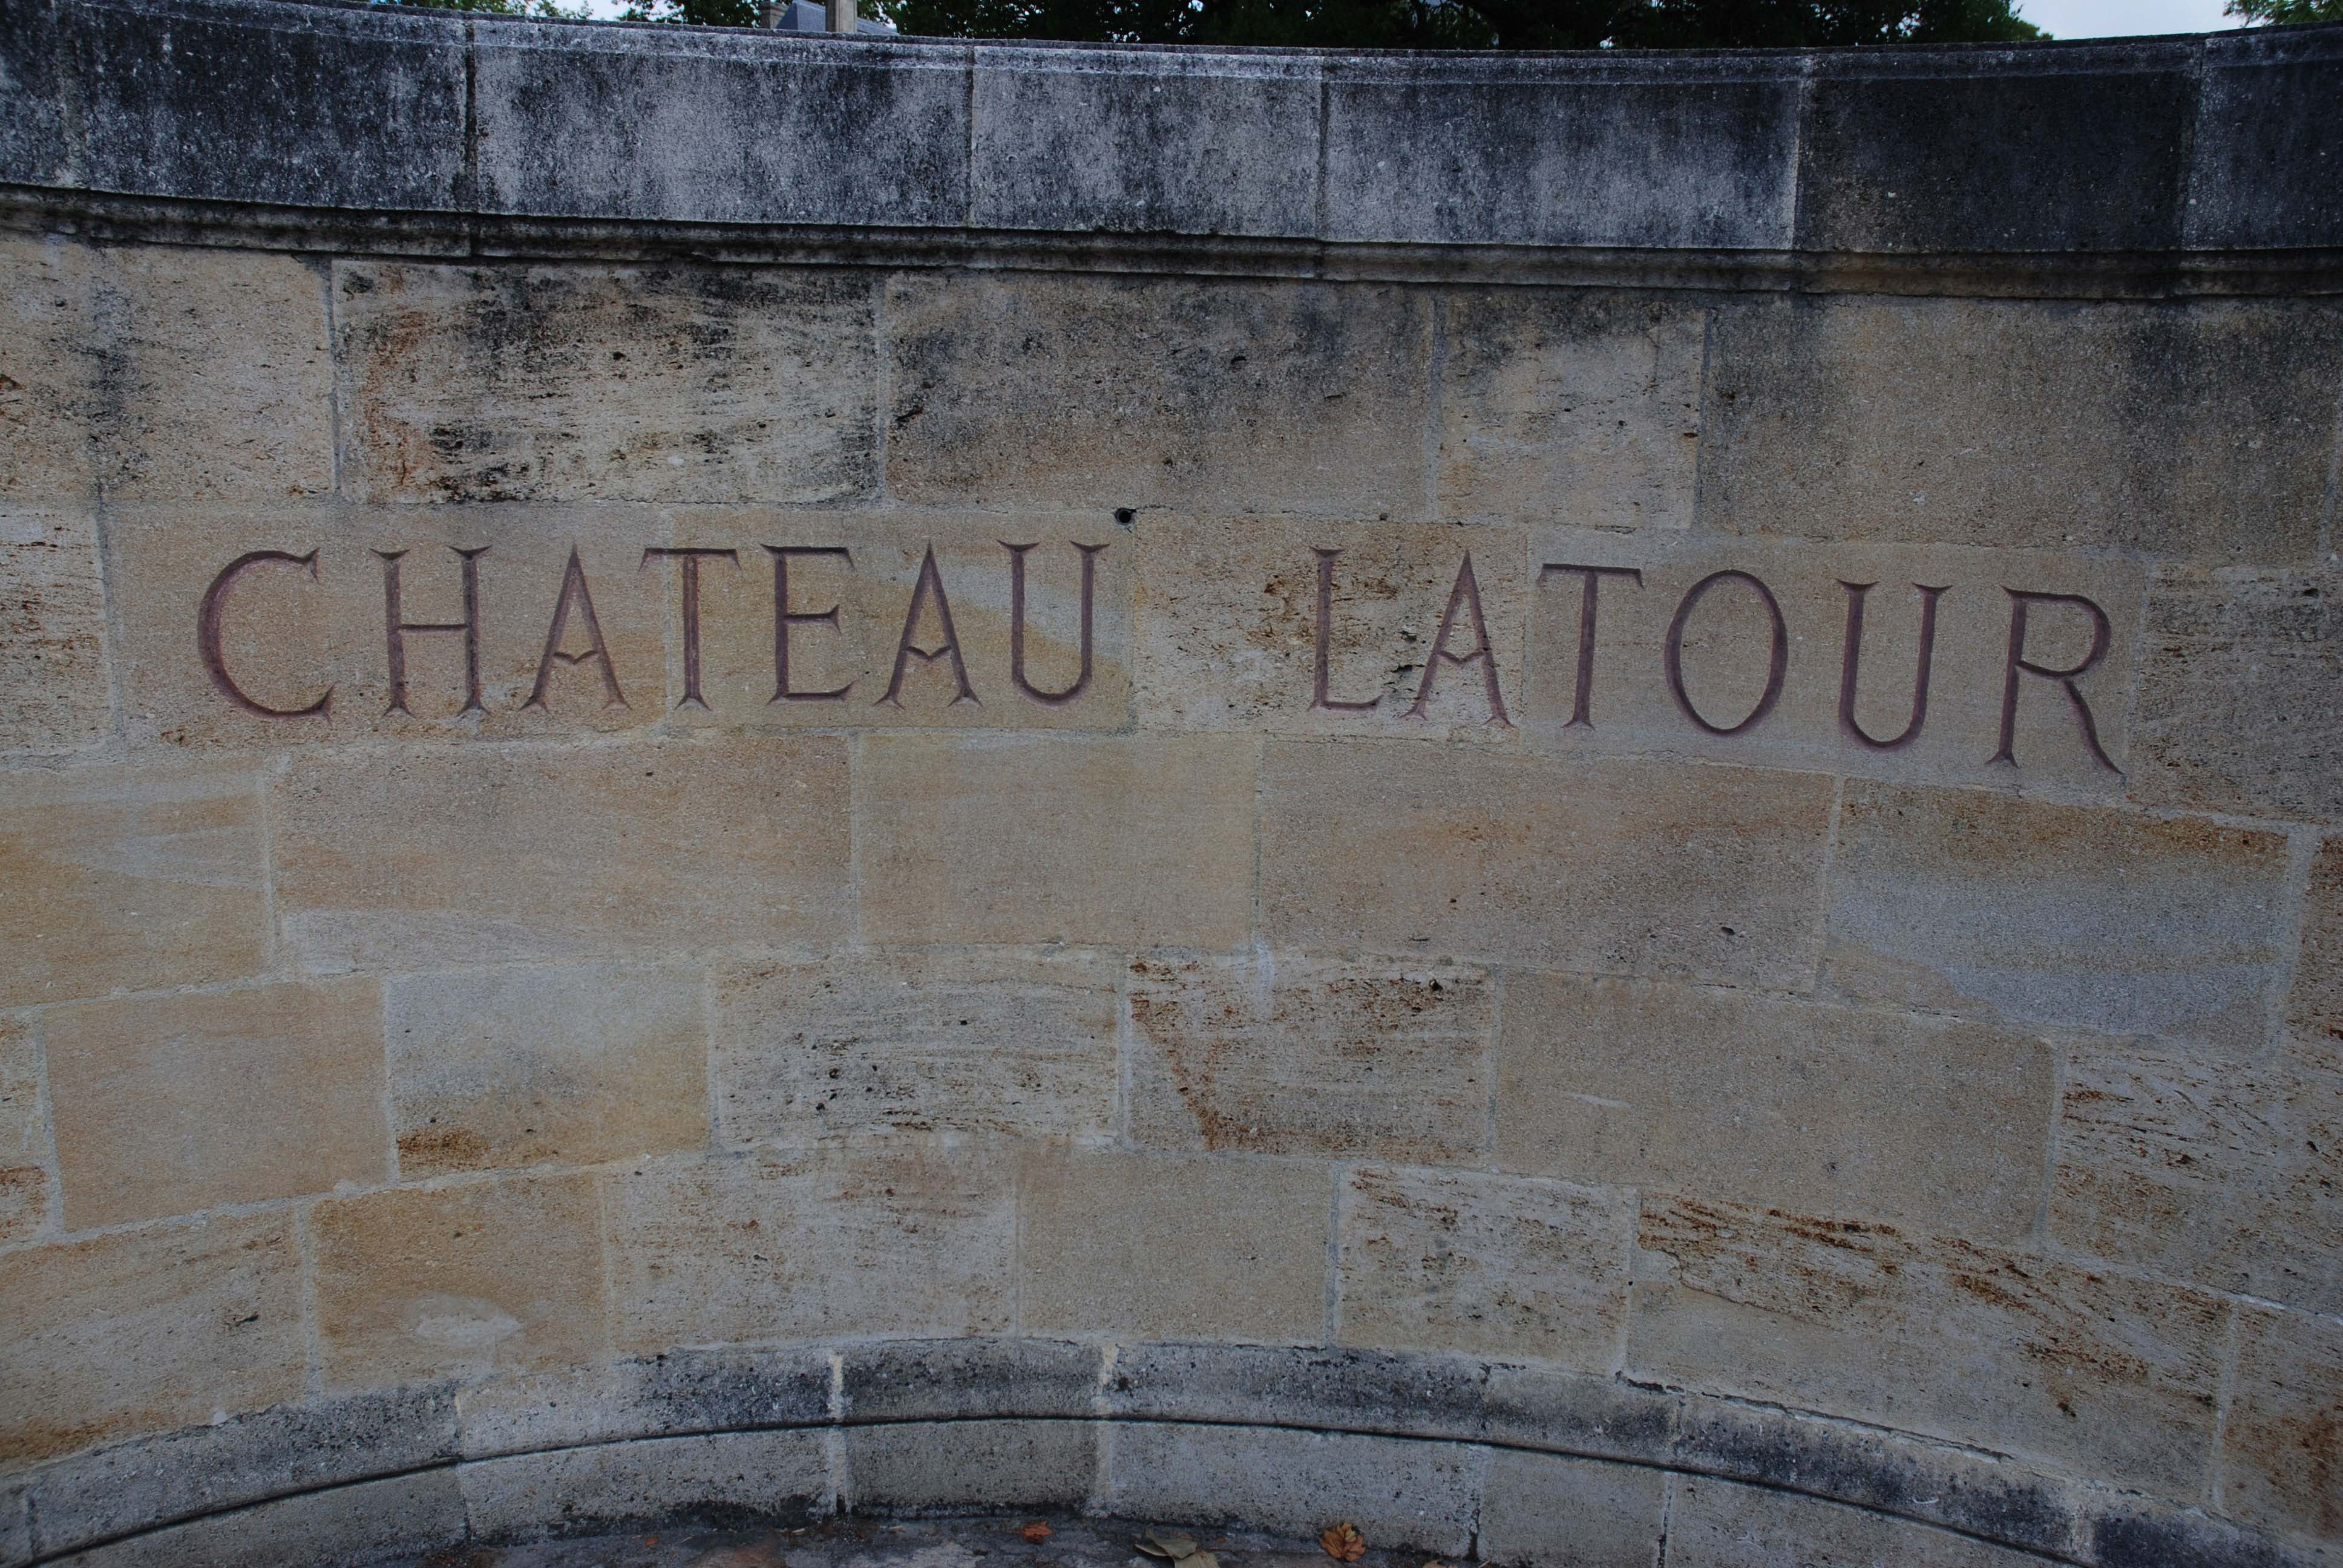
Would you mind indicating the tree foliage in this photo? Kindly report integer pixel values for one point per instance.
(2263, 12)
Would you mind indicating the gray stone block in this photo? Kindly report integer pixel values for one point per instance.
(682, 1392)
(33, 146)
(2269, 151)
(1717, 1524)
(390, 1521)
(1346, 1390)
(729, 1480)
(970, 1466)
(942, 1380)
(1573, 1413)
(1540, 1508)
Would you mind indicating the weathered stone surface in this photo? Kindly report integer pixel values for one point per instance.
(951, 1380)
(1246, 396)
(368, 1521)
(428, 858)
(125, 880)
(1288, 1055)
(968, 1466)
(2314, 1009)
(49, 394)
(654, 383)
(463, 1280)
(568, 1064)
(54, 690)
(2106, 1374)
(2216, 1171)
(1821, 1109)
(32, 146)
(1706, 874)
(2264, 148)
(1150, 840)
(1718, 1525)
(2282, 1442)
(2202, 431)
(730, 1478)
(155, 1105)
(1540, 1508)
(143, 1331)
(668, 1394)
(1417, 1495)
(1230, 628)
(1536, 1406)
(762, 1248)
(25, 1155)
(979, 1041)
(1494, 1264)
(2236, 709)
(1582, 409)
(1753, 668)
(1172, 1247)
(1342, 1388)
(2054, 915)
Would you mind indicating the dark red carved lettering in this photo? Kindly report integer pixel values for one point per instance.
(1777, 659)
(207, 636)
(784, 617)
(690, 559)
(574, 591)
(1017, 623)
(931, 582)
(1466, 592)
(2018, 663)
(398, 627)
(1325, 677)
(1853, 657)
(1583, 697)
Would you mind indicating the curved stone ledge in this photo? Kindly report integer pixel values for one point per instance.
(1484, 1457)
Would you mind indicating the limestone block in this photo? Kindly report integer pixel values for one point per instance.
(1540, 1508)
(2218, 1172)
(1819, 1109)
(970, 1466)
(47, 373)
(1172, 1247)
(1233, 635)
(154, 1103)
(988, 1042)
(953, 1380)
(779, 1476)
(1147, 842)
(2058, 916)
(1400, 1494)
(365, 1522)
(2202, 431)
(55, 691)
(2104, 1375)
(146, 1330)
(34, 151)
(551, 1064)
(2236, 709)
(25, 1181)
(1719, 1525)
(1753, 666)
(1617, 867)
(651, 383)
(844, 1241)
(123, 879)
(2279, 1445)
(1494, 1266)
(1290, 1054)
(2263, 141)
(419, 859)
(2314, 1011)
(672, 1393)
(1561, 406)
(1246, 396)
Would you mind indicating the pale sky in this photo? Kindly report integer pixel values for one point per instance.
(2115, 18)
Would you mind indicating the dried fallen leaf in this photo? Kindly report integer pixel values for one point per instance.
(1199, 1559)
(1343, 1542)
(1037, 1531)
(1157, 1543)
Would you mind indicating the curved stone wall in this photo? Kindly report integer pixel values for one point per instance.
(1580, 805)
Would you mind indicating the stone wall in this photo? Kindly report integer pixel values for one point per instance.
(1587, 806)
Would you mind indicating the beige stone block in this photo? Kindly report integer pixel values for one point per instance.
(2237, 707)
(145, 1330)
(55, 694)
(1413, 1499)
(125, 880)
(1719, 1525)
(2100, 1373)
(1489, 1265)
(2282, 1438)
(887, 1241)
(416, 858)
(1542, 1508)
(1172, 1247)
(2218, 1172)
(1144, 842)
(218, 381)
(1231, 626)
(2056, 916)
(1764, 1100)
(467, 1280)
(2314, 1014)
(48, 392)
(1704, 873)
(568, 1064)
(2201, 430)
(1288, 1055)
(781, 1476)
(967, 1466)
(1254, 396)
(666, 382)
(169, 1104)
(1681, 653)
(25, 1157)
(988, 1042)
(1570, 405)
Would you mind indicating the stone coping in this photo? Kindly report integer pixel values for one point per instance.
(381, 1451)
